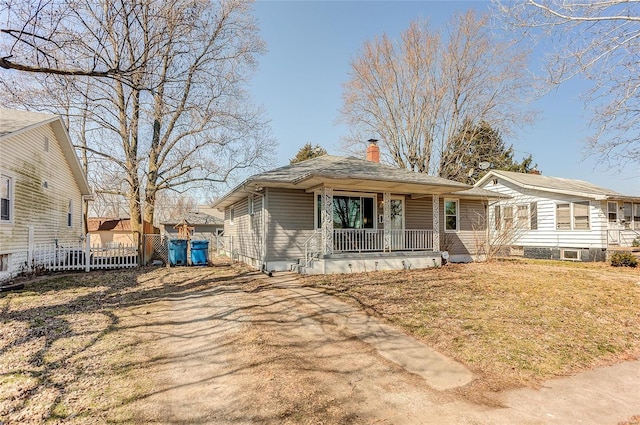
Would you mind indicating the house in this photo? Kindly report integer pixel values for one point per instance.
(110, 232)
(559, 218)
(333, 214)
(43, 188)
(203, 226)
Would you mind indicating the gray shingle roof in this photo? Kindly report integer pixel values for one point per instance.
(348, 173)
(12, 120)
(337, 167)
(557, 184)
(196, 218)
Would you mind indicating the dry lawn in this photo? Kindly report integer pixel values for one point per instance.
(514, 323)
(71, 347)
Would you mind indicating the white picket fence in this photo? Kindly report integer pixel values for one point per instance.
(82, 256)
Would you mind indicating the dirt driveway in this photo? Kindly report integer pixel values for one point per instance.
(262, 350)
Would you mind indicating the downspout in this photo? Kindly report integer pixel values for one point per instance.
(263, 223)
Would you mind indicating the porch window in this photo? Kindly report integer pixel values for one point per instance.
(353, 212)
(612, 208)
(636, 216)
(626, 208)
(581, 215)
(450, 215)
(496, 217)
(533, 211)
(6, 198)
(563, 216)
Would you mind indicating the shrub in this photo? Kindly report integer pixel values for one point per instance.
(636, 243)
(624, 259)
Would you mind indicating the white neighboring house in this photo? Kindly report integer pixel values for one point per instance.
(560, 218)
(43, 189)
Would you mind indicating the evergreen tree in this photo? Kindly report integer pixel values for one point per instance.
(308, 152)
(474, 150)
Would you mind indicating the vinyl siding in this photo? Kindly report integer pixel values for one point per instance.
(418, 213)
(290, 223)
(471, 234)
(25, 160)
(547, 235)
(243, 237)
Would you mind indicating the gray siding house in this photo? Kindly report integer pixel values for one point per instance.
(333, 214)
(559, 218)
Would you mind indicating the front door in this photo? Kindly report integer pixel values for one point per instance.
(397, 223)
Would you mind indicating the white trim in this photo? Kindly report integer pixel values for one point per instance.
(444, 214)
(12, 198)
(576, 250)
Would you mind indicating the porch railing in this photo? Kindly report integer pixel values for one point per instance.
(366, 240)
(622, 237)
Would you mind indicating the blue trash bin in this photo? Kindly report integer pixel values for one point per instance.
(199, 253)
(177, 252)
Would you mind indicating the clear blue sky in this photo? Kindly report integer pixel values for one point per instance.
(310, 44)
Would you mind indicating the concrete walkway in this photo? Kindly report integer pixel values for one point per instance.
(607, 395)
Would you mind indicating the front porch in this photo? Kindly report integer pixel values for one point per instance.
(357, 262)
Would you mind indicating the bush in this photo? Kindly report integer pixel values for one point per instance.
(624, 259)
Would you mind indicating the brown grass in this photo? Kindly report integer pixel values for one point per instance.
(70, 346)
(514, 323)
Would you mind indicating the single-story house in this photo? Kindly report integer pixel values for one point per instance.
(202, 226)
(333, 214)
(43, 188)
(559, 218)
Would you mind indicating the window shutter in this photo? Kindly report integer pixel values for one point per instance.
(533, 210)
(496, 217)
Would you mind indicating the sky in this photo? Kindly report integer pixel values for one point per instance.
(311, 43)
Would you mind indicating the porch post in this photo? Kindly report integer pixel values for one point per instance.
(386, 219)
(436, 222)
(327, 220)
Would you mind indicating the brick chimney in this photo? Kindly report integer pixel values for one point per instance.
(535, 171)
(373, 151)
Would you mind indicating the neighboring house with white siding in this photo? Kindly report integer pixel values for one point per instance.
(333, 214)
(559, 218)
(43, 188)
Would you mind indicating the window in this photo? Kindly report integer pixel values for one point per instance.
(4, 262)
(533, 211)
(231, 215)
(250, 205)
(6, 198)
(612, 208)
(523, 216)
(507, 217)
(353, 212)
(69, 213)
(581, 215)
(627, 209)
(497, 218)
(46, 144)
(570, 254)
(636, 216)
(450, 215)
(563, 216)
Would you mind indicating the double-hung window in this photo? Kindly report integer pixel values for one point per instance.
(573, 216)
(581, 215)
(6, 199)
(451, 215)
(70, 213)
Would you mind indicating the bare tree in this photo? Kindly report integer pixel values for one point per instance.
(600, 41)
(415, 94)
(180, 120)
